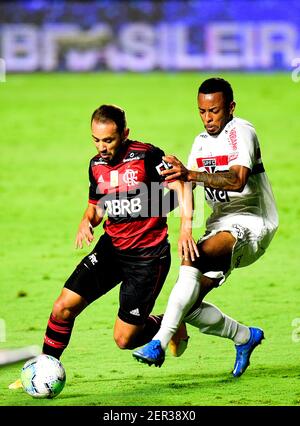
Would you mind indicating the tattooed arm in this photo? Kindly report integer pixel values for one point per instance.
(232, 180)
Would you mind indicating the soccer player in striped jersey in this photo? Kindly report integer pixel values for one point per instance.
(225, 159)
(127, 185)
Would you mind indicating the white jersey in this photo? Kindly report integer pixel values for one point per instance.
(237, 144)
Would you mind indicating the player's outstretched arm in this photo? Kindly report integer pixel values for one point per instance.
(187, 248)
(232, 180)
(92, 217)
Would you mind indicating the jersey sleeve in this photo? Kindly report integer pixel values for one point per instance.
(94, 197)
(243, 142)
(154, 164)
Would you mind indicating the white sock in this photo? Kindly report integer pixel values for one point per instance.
(210, 320)
(183, 296)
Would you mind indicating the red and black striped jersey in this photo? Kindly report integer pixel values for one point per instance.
(131, 191)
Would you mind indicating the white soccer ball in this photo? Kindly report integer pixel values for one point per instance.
(43, 376)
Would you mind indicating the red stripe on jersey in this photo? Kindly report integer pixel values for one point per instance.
(138, 149)
(219, 160)
(140, 145)
(147, 232)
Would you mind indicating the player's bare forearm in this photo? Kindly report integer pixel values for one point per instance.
(170, 202)
(227, 181)
(233, 179)
(96, 216)
(184, 194)
(187, 247)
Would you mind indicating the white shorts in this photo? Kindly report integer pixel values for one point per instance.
(251, 241)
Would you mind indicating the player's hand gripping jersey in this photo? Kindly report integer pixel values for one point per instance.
(237, 144)
(130, 190)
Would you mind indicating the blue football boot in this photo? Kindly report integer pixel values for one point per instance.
(150, 354)
(243, 352)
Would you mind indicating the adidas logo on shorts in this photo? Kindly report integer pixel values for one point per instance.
(135, 312)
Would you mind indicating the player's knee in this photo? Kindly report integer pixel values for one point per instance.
(212, 252)
(219, 246)
(207, 248)
(123, 342)
(60, 311)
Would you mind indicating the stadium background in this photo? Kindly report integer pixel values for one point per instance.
(60, 60)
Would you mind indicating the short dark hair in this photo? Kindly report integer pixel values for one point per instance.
(110, 113)
(217, 84)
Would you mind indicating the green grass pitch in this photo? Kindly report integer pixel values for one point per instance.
(45, 150)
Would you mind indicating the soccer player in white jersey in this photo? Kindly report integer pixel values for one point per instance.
(226, 160)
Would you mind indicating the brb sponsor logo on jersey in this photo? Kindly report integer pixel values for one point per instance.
(123, 207)
(122, 199)
(128, 192)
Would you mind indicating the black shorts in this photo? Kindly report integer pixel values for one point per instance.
(141, 272)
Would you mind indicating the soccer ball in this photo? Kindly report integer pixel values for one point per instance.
(43, 376)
